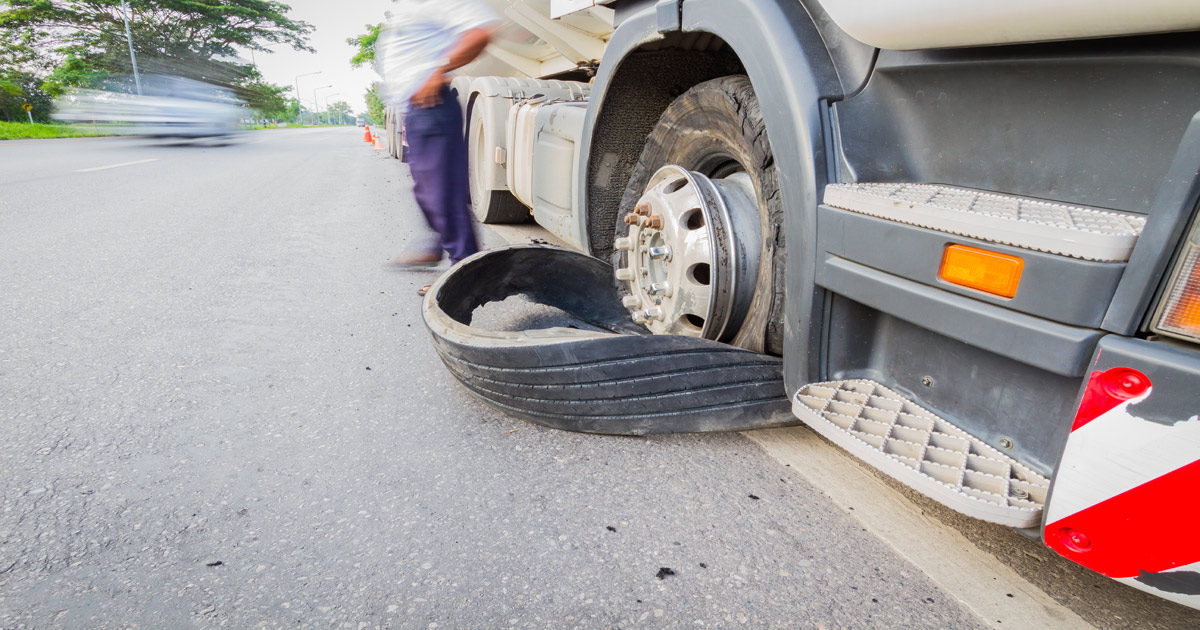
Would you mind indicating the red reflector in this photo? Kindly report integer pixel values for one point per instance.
(1105, 390)
(1074, 540)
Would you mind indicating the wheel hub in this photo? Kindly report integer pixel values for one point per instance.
(692, 254)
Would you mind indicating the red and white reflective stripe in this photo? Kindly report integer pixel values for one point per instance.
(1124, 498)
(1115, 453)
(1149, 528)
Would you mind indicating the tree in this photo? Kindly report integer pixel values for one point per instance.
(339, 111)
(19, 50)
(266, 98)
(169, 29)
(20, 70)
(295, 112)
(74, 72)
(18, 88)
(84, 40)
(365, 44)
(365, 55)
(375, 106)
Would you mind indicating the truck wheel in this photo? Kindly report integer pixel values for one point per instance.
(602, 373)
(489, 206)
(698, 249)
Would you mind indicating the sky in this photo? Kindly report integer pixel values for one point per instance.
(333, 22)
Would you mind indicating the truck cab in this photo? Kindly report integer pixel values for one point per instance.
(968, 234)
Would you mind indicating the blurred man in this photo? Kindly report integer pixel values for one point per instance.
(422, 42)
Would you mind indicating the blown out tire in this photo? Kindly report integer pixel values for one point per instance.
(489, 206)
(615, 380)
(716, 128)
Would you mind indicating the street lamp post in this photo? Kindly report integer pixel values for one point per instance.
(254, 62)
(328, 118)
(299, 114)
(316, 103)
(137, 80)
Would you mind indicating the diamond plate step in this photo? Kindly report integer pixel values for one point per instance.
(1076, 231)
(923, 451)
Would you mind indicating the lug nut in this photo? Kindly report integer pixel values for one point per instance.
(659, 287)
(660, 253)
(639, 317)
(631, 219)
(625, 273)
(631, 301)
(642, 209)
(654, 313)
(624, 244)
(655, 222)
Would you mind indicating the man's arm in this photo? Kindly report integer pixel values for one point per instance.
(469, 47)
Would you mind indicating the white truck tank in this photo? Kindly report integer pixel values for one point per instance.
(917, 24)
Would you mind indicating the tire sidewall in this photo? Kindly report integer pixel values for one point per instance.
(478, 192)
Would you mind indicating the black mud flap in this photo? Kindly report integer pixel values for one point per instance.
(611, 378)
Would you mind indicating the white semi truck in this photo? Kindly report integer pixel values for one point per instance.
(957, 239)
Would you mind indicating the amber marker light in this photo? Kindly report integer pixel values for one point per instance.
(979, 269)
(1180, 312)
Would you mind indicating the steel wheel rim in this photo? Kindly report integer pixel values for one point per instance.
(692, 254)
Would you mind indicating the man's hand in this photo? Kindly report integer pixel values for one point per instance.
(469, 47)
(430, 94)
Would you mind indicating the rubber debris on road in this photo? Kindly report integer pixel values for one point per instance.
(607, 376)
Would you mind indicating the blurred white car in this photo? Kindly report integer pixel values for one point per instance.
(168, 107)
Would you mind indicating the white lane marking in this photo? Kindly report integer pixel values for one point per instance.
(103, 168)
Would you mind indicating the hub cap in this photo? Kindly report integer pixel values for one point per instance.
(692, 254)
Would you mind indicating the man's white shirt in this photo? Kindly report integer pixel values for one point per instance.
(417, 39)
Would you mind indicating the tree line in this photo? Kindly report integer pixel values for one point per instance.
(365, 56)
(50, 46)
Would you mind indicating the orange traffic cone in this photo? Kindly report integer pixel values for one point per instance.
(379, 144)
(367, 133)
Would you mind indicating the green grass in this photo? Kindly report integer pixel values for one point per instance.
(257, 127)
(291, 126)
(23, 131)
(20, 131)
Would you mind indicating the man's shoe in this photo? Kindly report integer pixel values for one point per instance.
(419, 259)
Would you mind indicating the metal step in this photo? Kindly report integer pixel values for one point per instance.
(1076, 231)
(923, 451)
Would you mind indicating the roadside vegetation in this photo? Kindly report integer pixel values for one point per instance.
(22, 131)
(365, 56)
(48, 47)
(295, 126)
(41, 131)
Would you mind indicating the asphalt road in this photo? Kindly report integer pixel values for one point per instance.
(220, 408)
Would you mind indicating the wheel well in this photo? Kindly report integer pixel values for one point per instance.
(644, 83)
